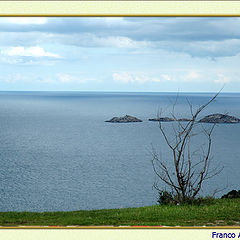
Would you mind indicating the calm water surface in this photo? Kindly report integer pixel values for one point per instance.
(58, 154)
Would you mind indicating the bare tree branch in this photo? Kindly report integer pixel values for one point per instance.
(191, 167)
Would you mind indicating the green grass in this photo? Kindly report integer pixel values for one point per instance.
(219, 212)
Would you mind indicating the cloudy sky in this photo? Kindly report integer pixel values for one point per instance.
(120, 54)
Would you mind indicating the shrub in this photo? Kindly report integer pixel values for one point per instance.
(167, 198)
(202, 200)
(232, 194)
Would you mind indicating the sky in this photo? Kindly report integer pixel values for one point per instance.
(133, 54)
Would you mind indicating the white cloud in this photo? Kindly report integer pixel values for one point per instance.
(126, 77)
(120, 42)
(48, 80)
(166, 77)
(66, 78)
(15, 77)
(26, 20)
(141, 77)
(173, 78)
(123, 77)
(92, 40)
(29, 52)
(222, 79)
(191, 76)
(108, 21)
(210, 37)
(155, 80)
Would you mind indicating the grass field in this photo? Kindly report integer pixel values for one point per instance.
(221, 212)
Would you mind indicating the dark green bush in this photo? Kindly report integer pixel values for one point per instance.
(167, 198)
(232, 194)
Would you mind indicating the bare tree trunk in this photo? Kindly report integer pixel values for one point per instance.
(189, 170)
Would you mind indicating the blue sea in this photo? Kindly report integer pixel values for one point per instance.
(57, 153)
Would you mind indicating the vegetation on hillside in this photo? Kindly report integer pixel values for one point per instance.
(218, 212)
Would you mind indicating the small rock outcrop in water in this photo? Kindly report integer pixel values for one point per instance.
(163, 119)
(219, 118)
(184, 120)
(125, 119)
(167, 119)
(213, 118)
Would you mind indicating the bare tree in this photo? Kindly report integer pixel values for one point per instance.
(190, 167)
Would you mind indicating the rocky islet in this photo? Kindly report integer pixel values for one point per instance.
(212, 118)
(125, 119)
